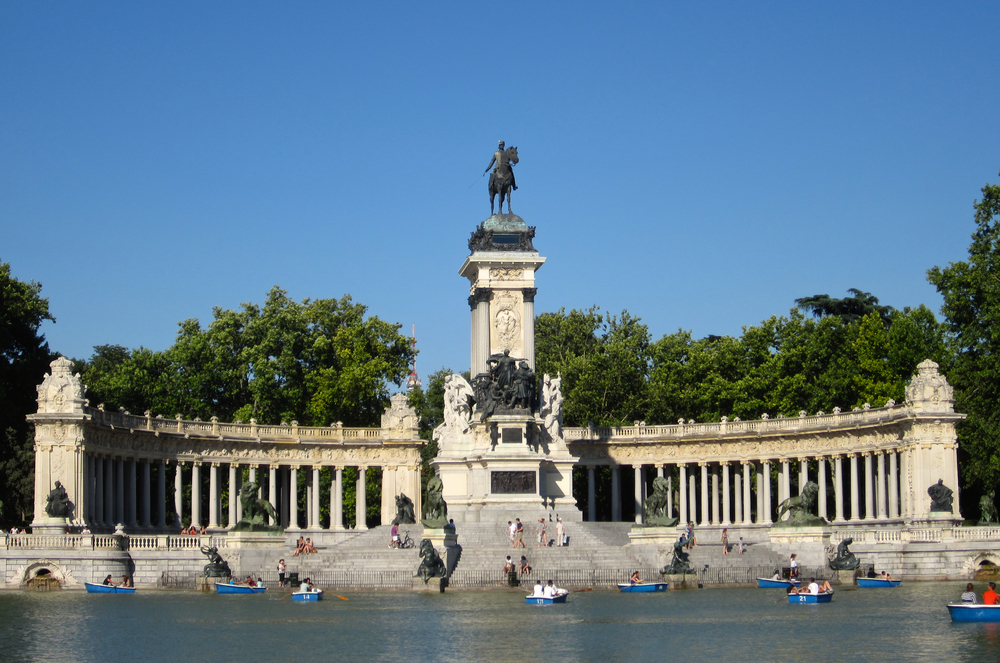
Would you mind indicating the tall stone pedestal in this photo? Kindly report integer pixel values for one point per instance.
(50, 525)
(808, 543)
(445, 541)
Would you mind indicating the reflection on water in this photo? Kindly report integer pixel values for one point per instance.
(907, 623)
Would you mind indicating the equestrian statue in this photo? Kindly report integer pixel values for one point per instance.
(502, 179)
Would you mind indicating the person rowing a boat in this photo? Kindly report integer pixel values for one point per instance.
(990, 596)
(969, 595)
(538, 591)
(635, 578)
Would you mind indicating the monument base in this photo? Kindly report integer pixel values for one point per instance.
(445, 541)
(681, 581)
(433, 585)
(51, 526)
(254, 540)
(660, 536)
(809, 544)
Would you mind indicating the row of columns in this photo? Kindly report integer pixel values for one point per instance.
(698, 492)
(119, 490)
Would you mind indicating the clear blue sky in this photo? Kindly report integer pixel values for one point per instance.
(699, 164)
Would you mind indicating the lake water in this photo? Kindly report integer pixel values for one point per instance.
(909, 623)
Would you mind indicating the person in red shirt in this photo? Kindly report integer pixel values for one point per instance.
(990, 596)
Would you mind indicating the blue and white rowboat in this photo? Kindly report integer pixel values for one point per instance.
(545, 600)
(974, 612)
(877, 582)
(822, 597)
(767, 583)
(315, 595)
(226, 588)
(642, 587)
(94, 588)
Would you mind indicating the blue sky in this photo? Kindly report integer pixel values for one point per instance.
(698, 164)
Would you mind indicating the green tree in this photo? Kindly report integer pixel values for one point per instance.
(24, 359)
(852, 308)
(315, 362)
(971, 291)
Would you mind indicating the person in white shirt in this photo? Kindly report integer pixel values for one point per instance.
(539, 590)
(551, 591)
(813, 586)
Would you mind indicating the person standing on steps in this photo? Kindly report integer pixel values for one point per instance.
(560, 532)
(519, 534)
(281, 573)
(725, 541)
(540, 530)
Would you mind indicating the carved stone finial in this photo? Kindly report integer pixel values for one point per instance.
(928, 391)
(61, 391)
(399, 417)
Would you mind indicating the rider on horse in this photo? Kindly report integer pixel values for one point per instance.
(503, 168)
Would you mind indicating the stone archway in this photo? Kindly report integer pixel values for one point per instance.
(46, 574)
(984, 565)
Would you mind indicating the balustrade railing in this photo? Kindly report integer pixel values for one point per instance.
(251, 430)
(736, 428)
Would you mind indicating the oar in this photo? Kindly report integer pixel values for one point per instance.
(342, 598)
(589, 589)
(285, 596)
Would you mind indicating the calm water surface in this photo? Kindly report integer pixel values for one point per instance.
(909, 623)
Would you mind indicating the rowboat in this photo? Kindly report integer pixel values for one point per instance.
(822, 597)
(974, 612)
(877, 582)
(94, 588)
(546, 600)
(226, 588)
(314, 595)
(642, 587)
(767, 583)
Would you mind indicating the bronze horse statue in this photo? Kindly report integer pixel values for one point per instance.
(502, 179)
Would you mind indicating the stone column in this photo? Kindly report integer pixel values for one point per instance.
(855, 502)
(882, 511)
(528, 295)
(785, 485)
(693, 498)
(893, 486)
(309, 504)
(233, 498)
(869, 489)
(360, 516)
(293, 502)
(272, 490)
(759, 469)
(616, 498)
(253, 478)
(479, 302)
(821, 481)
(737, 498)
(99, 491)
(725, 493)
(161, 495)
(905, 508)
(88, 490)
(120, 491)
(131, 506)
(767, 493)
(333, 498)
(591, 494)
(746, 494)
(705, 516)
(315, 498)
(178, 497)
(683, 493)
(659, 471)
(639, 478)
(337, 514)
(838, 488)
(715, 494)
(803, 473)
(670, 495)
(196, 494)
(213, 496)
(144, 520)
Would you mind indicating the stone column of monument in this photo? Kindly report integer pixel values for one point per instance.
(272, 490)
(234, 499)
(893, 487)
(682, 493)
(178, 496)
(766, 470)
(591, 494)
(838, 490)
(855, 501)
(931, 443)
(869, 489)
(213, 496)
(725, 493)
(747, 516)
(821, 510)
(59, 442)
(360, 516)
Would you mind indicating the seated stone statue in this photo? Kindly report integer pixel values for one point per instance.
(941, 497)
(435, 508)
(845, 559)
(57, 504)
(654, 511)
(255, 512)
(799, 509)
(404, 510)
(431, 564)
(988, 510)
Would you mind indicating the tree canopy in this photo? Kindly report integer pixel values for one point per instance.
(315, 362)
(971, 291)
(24, 359)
